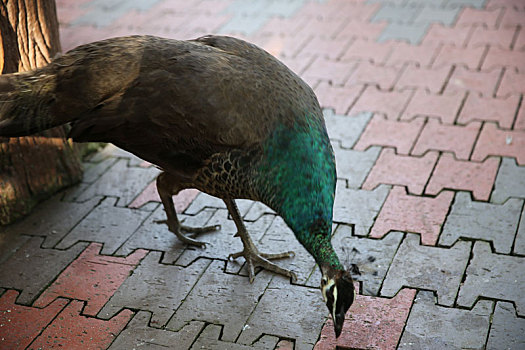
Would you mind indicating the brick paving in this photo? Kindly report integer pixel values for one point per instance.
(424, 104)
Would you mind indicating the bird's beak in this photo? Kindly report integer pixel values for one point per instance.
(339, 320)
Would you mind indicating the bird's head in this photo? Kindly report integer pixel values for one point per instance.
(338, 291)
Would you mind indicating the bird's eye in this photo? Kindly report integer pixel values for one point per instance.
(323, 282)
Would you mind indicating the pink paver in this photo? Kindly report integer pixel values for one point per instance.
(511, 83)
(335, 71)
(368, 51)
(470, 16)
(513, 17)
(520, 119)
(338, 97)
(71, 330)
(473, 80)
(423, 215)
(421, 56)
(389, 103)
(325, 47)
(457, 139)
(278, 26)
(450, 54)
(501, 37)
(150, 194)
(519, 44)
(500, 110)
(20, 324)
(464, 175)
(495, 142)
(393, 169)
(390, 133)
(439, 34)
(283, 46)
(424, 78)
(362, 30)
(516, 4)
(372, 74)
(91, 277)
(374, 322)
(497, 57)
(328, 27)
(445, 107)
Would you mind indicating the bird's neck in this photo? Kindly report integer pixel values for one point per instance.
(297, 174)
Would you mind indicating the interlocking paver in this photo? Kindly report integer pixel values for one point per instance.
(340, 98)
(464, 175)
(320, 26)
(71, 330)
(421, 55)
(325, 47)
(11, 242)
(361, 30)
(390, 133)
(19, 324)
(409, 213)
(376, 322)
(106, 224)
(345, 129)
(393, 169)
(515, 4)
(501, 37)
(493, 276)
(498, 57)
(372, 256)
(234, 299)
(94, 170)
(209, 340)
(512, 17)
(506, 331)
(445, 107)
(53, 219)
(150, 194)
(443, 270)
(31, 269)
(448, 138)
(155, 287)
(479, 220)
(480, 17)
(511, 83)
(120, 181)
(138, 335)
(440, 34)
(368, 73)
(367, 50)
(452, 55)
(497, 110)
(431, 14)
(431, 79)
(510, 181)
(460, 3)
(304, 326)
(353, 166)
(519, 244)
(520, 118)
(358, 207)
(395, 13)
(91, 277)
(493, 141)
(483, 82)
(412, 33)
(389, 103)
(335, 72)
(431, 326)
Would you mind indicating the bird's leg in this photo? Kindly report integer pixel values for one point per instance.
(167, 186)
(250, 253)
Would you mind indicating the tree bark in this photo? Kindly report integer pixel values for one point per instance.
(31, 168)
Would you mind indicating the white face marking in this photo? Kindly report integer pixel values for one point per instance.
(335, 303)
(326, 287)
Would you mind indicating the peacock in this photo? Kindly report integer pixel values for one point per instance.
(215, 113)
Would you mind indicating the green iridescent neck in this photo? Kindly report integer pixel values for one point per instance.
(298, 181)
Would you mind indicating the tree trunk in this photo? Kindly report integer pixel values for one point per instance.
(31, 168)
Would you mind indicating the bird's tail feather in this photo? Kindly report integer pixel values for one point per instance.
(28, 103)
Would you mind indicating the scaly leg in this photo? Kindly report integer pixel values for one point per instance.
(167, 186)
(250, 253)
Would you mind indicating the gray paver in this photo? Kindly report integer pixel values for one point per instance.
(138, 335)
(104, 12)
(120, 181)
(510, 181)
(221, 243)
(345, 129)
(10, 243)
(519, 244)
(493, 276)
(156, 236)
(221, 298)
(430, 326)
(354, 166)
(372, 256)
(31, 269)
(413, 33)
(53, 219)
(286, 300)
(204, 200)
(395, 13)
(430, 268)
(244, 24)
(257, 210)
(480, 220)
(358, 207)
(155, 287)
(209, 340)
(93, 171)
(507, 330)
(466, 3)
(431, 14)
(106, 224)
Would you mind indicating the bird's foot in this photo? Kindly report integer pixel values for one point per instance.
(256, 259)
(177, 230)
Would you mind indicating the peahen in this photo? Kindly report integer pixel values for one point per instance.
(215, 113)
